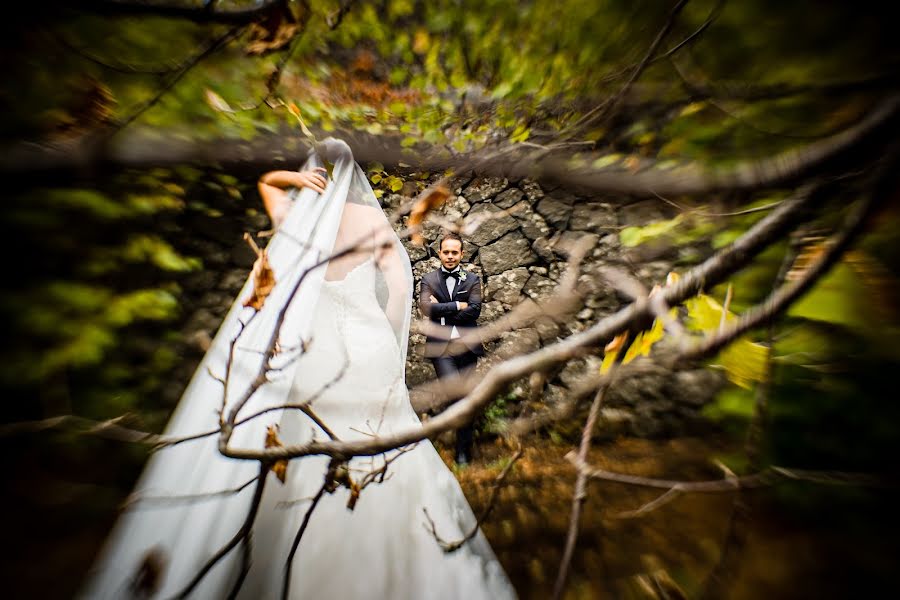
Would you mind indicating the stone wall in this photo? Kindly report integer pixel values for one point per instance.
(520, 252)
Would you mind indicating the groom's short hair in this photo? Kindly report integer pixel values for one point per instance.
(450, 235)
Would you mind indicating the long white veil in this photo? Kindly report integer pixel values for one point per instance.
(163, 525)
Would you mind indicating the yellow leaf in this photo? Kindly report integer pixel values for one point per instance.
(295, 110)
(608, 359)
(693, 107)
(421, 42)
(744, 362)
(394, 183)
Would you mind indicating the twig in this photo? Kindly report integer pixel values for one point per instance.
(186, 499)
(242, 533)
(212, 47)
(764, 478)
(30, 158)
(329, 476)
(606, 107)
(580, 494)
(713, 15)
(109, 429)
(204, 12)
(449, 547)
(125, 68)
(787, 294)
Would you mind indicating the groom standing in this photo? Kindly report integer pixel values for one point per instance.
(451, 297)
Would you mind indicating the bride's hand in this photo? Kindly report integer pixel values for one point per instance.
(314, 179)
(273, 189)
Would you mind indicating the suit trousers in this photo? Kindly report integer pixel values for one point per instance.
(450, 366)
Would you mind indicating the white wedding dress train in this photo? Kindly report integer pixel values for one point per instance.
(382, 548)
(191, 500)
(379, 550)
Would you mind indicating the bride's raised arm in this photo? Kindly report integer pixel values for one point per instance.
(273, 188)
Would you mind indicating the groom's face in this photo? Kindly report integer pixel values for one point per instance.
(451, 253)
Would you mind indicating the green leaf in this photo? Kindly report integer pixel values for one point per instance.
(731, 402)
(605, 161)
(634, 236)
(394, 183)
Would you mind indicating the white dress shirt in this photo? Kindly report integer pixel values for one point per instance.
(451, 285)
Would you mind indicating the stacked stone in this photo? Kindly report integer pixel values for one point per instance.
(520, 250)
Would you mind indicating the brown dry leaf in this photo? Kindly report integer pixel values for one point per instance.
(91, 108)
(276, 29)
(279, 467)
(813, 249)
(354, 495)
(263, 277)
(150, 573)
(428, 200)
(632, 163)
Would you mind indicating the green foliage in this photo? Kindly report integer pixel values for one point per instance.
(841, 298)
(635, 236)
(731, 403)
(77, 324)
(496, 412)
(148, 248)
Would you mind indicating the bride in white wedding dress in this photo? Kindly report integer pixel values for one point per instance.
(352, 316)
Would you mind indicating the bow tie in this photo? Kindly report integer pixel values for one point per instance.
(453, 274)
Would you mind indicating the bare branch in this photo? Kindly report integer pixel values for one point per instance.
(580, 494)
(658, 502)
(787, 294)
(674, 49)
(609, 105)
(185, 499)
(109, 429)
(213, 46)
(266, 150)
(326, 486)
(126, 68)
(449, 547)
(199, 13)
(240, 536)
(765, 478)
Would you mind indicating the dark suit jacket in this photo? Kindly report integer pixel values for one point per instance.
(468, 291)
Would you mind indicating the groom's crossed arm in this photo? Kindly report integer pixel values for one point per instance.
(471, 309)
(430, 307)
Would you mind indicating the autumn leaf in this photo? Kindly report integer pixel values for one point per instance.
(91, 107)
(146, 580)
(276, 29)
(394, 183)
(427, 201)
(810, 253)
(744, 361)
(279, 467)
(263, 277)
(216, 102)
